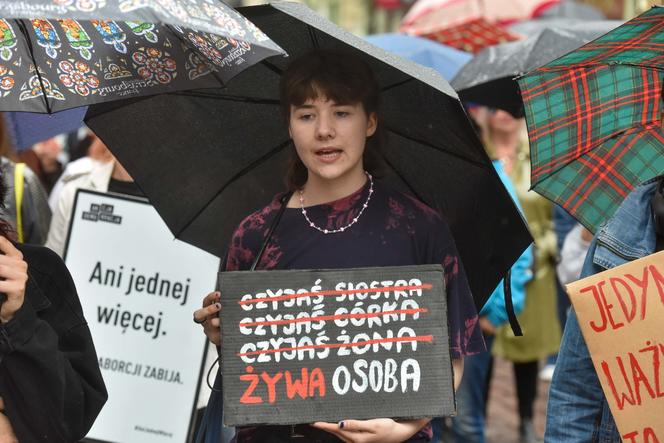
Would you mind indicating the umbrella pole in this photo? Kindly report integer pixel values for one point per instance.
(24, 31)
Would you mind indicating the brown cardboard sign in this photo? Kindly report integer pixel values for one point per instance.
(621, 314)
(327, 345)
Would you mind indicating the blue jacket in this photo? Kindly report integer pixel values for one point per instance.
(494, 308)
(577, 410)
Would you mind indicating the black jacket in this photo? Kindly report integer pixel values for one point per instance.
(49, 375)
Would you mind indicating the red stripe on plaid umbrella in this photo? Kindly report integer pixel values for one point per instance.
(598, 175)
(598, 109)
(644, 110)
(577, 103)
(529, 94)
(588, 114)
(657, 104)
(559, 162)
(630, 44)
(595, 46)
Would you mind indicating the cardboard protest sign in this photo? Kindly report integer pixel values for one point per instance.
(621, 314)
(310, 345)
(138, 288)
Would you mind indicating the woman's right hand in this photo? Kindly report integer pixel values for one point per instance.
(208, 317)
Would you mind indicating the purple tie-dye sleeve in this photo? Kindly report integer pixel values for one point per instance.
(465, 334)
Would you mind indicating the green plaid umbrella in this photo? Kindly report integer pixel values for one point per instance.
(594, 118)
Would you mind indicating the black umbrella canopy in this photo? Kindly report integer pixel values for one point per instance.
(206, 159)
(489, 78)
(61, 54)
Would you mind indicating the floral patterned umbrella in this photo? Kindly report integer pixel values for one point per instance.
(61, 54)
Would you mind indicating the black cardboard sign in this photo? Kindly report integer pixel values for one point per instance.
(327, 345)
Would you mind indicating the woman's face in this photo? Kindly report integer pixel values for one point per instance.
(503, 121)
(329, 137)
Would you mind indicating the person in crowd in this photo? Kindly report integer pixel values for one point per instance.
(44, 159)
(338, 216)
(469, 424)
(541, 330)
(577, 410)
(573, 254)
(96, 153)
(101, 172)
(26, 206)
(109, 176)
(51, 388)
(562, 225)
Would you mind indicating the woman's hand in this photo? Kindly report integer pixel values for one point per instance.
(208, 316)
(379, 430)
(6, 431)
(13, 277)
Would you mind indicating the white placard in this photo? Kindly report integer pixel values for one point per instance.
(138, 288)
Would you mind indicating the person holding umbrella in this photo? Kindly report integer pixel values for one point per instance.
(337, 215)
(600, 156)
(51, 388)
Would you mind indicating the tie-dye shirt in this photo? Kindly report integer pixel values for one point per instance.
(394, 230)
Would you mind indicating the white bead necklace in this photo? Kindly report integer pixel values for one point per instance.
(343, 228)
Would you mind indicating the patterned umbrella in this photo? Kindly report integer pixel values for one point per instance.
(470, 25)
(594, 119)
(60, 54)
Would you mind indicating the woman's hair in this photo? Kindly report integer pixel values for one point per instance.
(335, 75)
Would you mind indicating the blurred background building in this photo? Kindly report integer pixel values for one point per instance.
(363, 17)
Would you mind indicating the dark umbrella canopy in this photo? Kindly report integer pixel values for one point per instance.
(211, 158)
(28, 128)
(574, 10)
(489, 78)
(60, 54)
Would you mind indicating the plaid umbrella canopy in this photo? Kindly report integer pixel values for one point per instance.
(594, 119)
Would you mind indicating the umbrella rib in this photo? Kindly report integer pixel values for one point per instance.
(396, 85)
(237, 176)
(401, 177)
(313, 36)
(230, 98)
(24, 31)
(202, 56)
(272, 67)
(432, 146)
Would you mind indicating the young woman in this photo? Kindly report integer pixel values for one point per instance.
(51, 388)
(339, 216)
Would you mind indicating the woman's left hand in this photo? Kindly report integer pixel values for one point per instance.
(6, 431)
(379, 430)
(13, 277)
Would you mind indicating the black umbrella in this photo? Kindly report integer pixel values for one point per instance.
(213, 157)
(489, 78)
(60, 54)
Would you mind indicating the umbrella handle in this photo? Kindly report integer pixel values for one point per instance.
(284, 201)
(509, 306)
